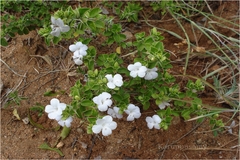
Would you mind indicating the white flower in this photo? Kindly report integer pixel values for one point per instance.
(133, 112)
(151, 74)
(77, 59)
(67, 122)
(106, 125)
(58, 27)
(163, 105)
(79, 49)
(114, 81)
(55, 109)
(153, 121)
(137, 69)
(114, 112)
(103, 101)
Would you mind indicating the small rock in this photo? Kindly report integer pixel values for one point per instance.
(97, 158)
(80, 130)
(25, 120)
(119, 141)
(75, 149)
(104, 10)
(199, 141)
(176, 120)
(128, 34)
(84, 145)
(60, 144)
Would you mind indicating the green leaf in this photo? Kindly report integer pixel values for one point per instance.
(117, 97)
(65, 132)
(50, 93)
(168, 111)
(119, 37)
(34, 123)
(82, 11)
(88, 113)
(94, 12)
(146, 105)
(99, 24)
(46, 147)
(90, 65)
(56, 40)
(87, 103)
(4, 42)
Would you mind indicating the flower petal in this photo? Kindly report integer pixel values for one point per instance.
(53, 115)
(106, 131)
(111, 85)
(130, 117)
(59, 22)
(137, 115)
(79, 45)
(109, 77)
(108, 102)
(97, 129)
(54, 102)
(106, 95)
(107, 118)
(50, 108)
(156, 119)
(112, 125)
(150, 125)
(102, 108)
(96, 100)
(65, 28)
(73, 48)
(62, 106)
(149, 119)
(53, 20)
(78, 61)
(133, 74)
(131, 67)
(157, 126)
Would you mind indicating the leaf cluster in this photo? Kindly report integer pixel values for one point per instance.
(20, 17)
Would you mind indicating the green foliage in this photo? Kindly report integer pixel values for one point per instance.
(38, 108)
(150, 52)
(130, 12)
(47, 147)
(13, 97)
(164, 5)
(20, 17)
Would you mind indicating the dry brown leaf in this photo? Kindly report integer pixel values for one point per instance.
(15, 113)
(46, 58)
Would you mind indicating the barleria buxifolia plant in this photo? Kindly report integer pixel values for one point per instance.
(114, 89)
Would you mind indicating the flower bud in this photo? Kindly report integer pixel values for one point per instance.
(116, 65)
(77, 97)
(104, 80)
(96, 72)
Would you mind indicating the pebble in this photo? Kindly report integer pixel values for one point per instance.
(199, 141)
(80, 130)
(60, 144)
(97, 158)
(25, 120)
(128, 34)
(84, 145)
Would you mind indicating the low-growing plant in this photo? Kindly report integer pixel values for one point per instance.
(20, 17)
(115, 87)
(14, 98)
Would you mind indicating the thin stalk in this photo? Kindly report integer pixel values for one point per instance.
(188, 42)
